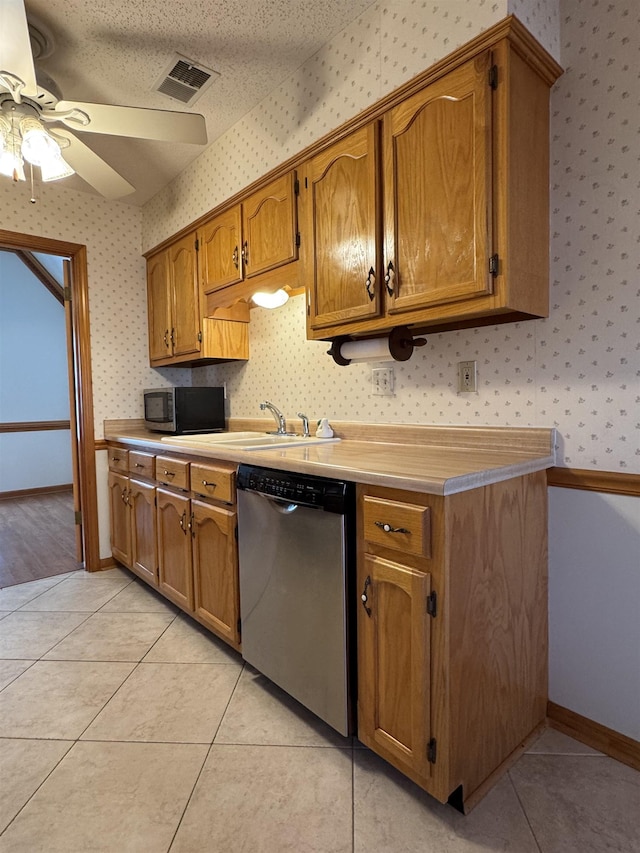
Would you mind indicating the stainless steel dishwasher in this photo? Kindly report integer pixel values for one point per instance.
(296, 549)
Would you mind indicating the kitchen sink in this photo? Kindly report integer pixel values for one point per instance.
(247, 440)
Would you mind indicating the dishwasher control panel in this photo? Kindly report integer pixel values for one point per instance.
(303, 489)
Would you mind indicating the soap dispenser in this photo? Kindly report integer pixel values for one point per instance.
(324, 430)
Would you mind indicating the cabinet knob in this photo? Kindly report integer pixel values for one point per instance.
(389, 529)
(370, 284)
(390, 278)
(364, 597)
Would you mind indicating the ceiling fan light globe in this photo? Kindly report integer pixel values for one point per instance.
(12, 166)
(55, 169)
(37, 146)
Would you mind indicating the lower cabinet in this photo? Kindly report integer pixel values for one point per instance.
(452, 631)
(179, 538)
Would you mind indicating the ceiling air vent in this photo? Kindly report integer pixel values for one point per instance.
(184, 80)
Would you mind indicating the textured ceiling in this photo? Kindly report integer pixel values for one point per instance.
(113, 52)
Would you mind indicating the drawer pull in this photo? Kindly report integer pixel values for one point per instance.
(169, 473)
(208, 484)
(364, 597)
(138, 465)
(115, 459)
(389, 529)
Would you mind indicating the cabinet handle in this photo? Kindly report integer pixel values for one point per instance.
(115, 458)
(370, 284)
(165, 338)
(192, 525)
(245, 252)
(209, 485)
(173, 474)
(138, 465)
(235, 257)
(389, 278)
(172, 336)
(389, 529)
(183, 522)
(364, 597)
(125, 497)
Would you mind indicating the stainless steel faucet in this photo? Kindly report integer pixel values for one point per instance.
(279, 419)
(305, 424)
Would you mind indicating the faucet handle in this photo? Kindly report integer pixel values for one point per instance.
(305, 424)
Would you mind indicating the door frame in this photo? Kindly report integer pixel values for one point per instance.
(83, 386)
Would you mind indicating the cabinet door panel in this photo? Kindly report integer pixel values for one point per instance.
(437, 167)
(220, 251)
(159, 306)
(393, 663)
(120, 514)
(215, 569)
(144, 541)
(343, 224)
(174, 548)
(185, 296)
(269, 224)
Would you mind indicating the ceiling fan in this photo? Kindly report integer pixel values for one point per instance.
(32, 112)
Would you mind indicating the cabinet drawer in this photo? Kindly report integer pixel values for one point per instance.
(214, 482)
(172, 472)
(142, 464)
(118, 459)
(404, 527)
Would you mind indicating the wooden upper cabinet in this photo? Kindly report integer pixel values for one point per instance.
(437, 181)
(183, 275)
(269, 227)
(159, 307)
(220, 247)
(342, 217)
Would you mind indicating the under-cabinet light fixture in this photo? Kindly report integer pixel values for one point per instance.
(270, 300)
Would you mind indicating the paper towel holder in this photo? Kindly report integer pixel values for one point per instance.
(401, 345)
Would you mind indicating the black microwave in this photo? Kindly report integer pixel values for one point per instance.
(181, 410)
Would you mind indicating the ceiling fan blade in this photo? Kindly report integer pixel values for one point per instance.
(93, 169)
(16, 58)
(161, 125)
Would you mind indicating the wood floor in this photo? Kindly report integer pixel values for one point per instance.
(37, 537)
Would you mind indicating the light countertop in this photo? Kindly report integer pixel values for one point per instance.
(436, 460)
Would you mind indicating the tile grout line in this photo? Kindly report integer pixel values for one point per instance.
(524, 812)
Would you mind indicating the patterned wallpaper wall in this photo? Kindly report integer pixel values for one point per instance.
(579, 369)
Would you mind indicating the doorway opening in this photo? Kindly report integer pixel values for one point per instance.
(80, 384)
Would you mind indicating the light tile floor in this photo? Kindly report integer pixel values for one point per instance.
(126, 727)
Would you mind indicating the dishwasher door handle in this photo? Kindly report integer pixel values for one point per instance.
(280, 505)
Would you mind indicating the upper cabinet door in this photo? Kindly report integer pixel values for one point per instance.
(220, 251)
(437, 181)
(159, 306)
(342, 219)
(183, 271)
(269, 226)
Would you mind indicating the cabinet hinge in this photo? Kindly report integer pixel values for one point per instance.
(67, 294)
(197, 245)
(200, 337)
(297, 238)
(493, 77)
(493, 265)
(77, 517)
(432, 604)
(432, 749)
(296, 187)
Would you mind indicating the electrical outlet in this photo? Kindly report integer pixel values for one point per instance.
(382, 381)
(467, 376)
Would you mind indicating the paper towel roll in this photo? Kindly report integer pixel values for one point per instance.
(375, 349)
